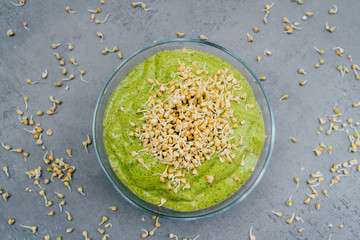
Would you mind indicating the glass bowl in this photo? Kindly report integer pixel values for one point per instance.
(260, 96)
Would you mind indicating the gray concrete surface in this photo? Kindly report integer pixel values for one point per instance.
(28, 54)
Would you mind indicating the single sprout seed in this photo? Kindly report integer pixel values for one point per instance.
(92, 17)
(202, 37)
(291, 219)
(5, 169)
(289, 202)
(69, 152)
(100, 35)
(325, 192)
(25, 25)
(73, 61)
(69, 217)
(144, 234)
(32, 228)
(26, 100)
(10, 33)
(250, 38)
(20, 4)
(297, 180)
(162, 202)
(71, 77)
(278, 214)
(103, 21)
(11, 221)
(5, 195)
(301, 71)
(49, 132)
(267, 52)
(258, 59)
(55, 45)
(120, 56)
(6, 147)
(104, 219)
(320, 51)
(70, 46)
(81, 190)
(143, 6)
(68, 9)
(251, 236)
(97, 10)
(58, 56)
(285, 96)
(61, 196)
(333, 10)
(317, 206)
(82, 73)
(303, 83)
(113, 208)
(180, 35)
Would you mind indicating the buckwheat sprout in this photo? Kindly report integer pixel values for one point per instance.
(171, 235)
(32, 228)
(25, 25)
(5, 169)
(10, 33)
(63, 70)
(70, 46)
(20, 4)
(143, 6)
(81, 190)
(69, 217)
(73, 61)
(36, 182)
(251, 236)
(26, 99)
(101, 36)
(68, 9)
(44, 74)
(333, 10)
(162, 202)
(145, 233)
(103, 21)
(97, 10)
(55, 45)
(71, 77)
(203, 37)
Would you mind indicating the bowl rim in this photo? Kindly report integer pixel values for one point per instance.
(272, 128)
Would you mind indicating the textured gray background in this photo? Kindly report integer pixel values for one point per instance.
(27, 55)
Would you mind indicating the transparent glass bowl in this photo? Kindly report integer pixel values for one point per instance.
(140, 56)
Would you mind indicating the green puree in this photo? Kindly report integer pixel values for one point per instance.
(132, 94)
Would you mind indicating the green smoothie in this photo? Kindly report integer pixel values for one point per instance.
(143, 179)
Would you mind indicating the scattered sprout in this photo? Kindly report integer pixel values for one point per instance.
(10, 33)
(32, 228)
(202, 37)
(68, 9)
